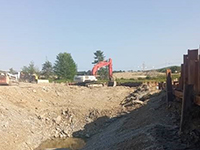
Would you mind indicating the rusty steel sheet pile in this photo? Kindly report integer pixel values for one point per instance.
(188, 87)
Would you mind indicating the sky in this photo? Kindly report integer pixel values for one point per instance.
(132, 32)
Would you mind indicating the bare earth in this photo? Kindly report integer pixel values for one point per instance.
(107, 118)
(31, 113)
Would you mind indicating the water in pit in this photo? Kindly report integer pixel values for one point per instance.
(62, 144)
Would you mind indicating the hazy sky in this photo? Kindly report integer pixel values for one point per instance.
(156, 32)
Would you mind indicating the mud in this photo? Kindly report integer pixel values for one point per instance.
(68, 143)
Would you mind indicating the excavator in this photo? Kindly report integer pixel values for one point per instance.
(89, 79)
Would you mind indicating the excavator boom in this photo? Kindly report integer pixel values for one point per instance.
(103, 64)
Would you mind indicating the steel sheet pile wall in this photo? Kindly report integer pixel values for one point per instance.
(188, 88)
(190, 75)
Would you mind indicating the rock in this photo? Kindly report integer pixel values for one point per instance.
(45, 89)
(138, 102)
(87, 136)
(56, 135)
(39, 117)
(47, 119)
(58, 120)
(64, 112)
(88, 120)
(61, 136)
(57, 93)
(5, 125)
(58, 129)
(34, 91)
(66, 132)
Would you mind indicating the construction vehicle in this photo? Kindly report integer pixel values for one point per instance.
(14, 78)
(34, 78)
(4, 79)
(90, 79)
(85, 78)
(8, 78)
(30, 78)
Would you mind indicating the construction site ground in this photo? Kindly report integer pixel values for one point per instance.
(113, 118)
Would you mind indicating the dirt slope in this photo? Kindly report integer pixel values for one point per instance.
(153, 126)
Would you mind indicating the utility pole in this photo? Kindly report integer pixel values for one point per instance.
(143, 66)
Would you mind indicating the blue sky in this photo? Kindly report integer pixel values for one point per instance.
(131, 32)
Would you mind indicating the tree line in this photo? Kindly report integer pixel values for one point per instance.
(64, 67)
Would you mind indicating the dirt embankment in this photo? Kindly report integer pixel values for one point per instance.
(152, 126)
(31, 113)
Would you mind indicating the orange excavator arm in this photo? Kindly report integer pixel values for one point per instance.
(103, 64)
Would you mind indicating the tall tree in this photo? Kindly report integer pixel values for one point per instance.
(31, 69)
(47, 69)
(98, 56)
(65, 67)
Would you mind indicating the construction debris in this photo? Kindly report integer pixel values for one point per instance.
(141, 94)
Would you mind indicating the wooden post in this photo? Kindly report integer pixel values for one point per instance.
(186, 104)
(169, 86)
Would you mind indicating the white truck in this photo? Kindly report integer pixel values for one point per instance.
(84, 78)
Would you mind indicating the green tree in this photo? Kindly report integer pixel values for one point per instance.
(65, 67)
(31, 69)
(47, 69)
(98, 57)
(12, 71)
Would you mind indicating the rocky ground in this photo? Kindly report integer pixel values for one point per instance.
(32, 113)
(152, 126)
(105, 117)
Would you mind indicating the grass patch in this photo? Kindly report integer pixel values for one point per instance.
(160, 78)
